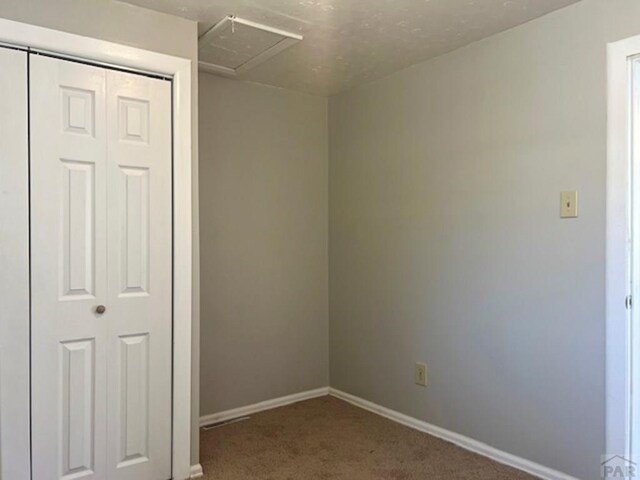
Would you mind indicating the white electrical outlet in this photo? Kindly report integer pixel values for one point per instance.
(420, 374)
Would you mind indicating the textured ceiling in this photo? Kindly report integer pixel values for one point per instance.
(351, 42)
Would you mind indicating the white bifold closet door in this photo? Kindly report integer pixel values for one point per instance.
(101, 257)
(14, 267)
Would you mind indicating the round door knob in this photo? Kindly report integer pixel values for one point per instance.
(100, 309)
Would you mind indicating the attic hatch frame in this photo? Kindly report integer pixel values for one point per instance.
(289, 39)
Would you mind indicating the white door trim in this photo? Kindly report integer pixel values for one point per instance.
(20, 34)
(618, 252)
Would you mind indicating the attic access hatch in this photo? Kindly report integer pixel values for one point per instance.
(235, 45)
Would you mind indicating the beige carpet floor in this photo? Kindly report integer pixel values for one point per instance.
(326, 438)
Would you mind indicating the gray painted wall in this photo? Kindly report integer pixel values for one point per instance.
(446, 244)
(445, 240)
(264, 227)
(129, 25)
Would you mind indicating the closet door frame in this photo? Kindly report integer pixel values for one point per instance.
(66, 45)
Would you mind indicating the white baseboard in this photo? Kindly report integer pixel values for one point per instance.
(259, 407)
(196, 472)
(465, 442)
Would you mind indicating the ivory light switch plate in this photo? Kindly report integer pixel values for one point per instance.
(420, 374)
(569, 204)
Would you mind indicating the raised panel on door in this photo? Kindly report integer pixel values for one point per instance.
(78, 229)
(140, 285)
(78, 389)
(134, 231)
(69, 269)
(14, 268)
(134, 399)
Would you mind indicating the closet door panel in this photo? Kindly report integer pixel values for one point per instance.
(14, 267)
(69, 272)
(139, 244)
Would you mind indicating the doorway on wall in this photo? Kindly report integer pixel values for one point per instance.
(634, 312)
(623, 255)
(101, 229)
(91, 188)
